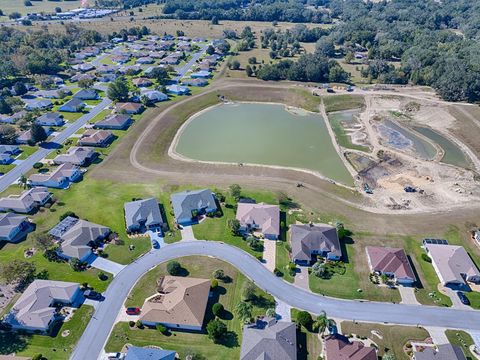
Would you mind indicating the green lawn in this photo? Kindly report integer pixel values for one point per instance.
(343, 102)
(229, 294)
(462, 339)
(309, 344)
(6, 168)
(474, 298)
(51, 347)
(27, 151)
(282, 260)
(394, 337)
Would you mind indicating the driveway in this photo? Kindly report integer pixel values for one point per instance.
(94, 337)
(155, 236)
(456, 303)
(437, 334)
(105, 265)
(269, 254)
(187, 233)
(301, 278)
(408, 295)
(283, 310)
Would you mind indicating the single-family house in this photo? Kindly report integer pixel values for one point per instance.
(60, 178)
(7, 152)
(142, 215)
(202, 74)
(97, 138)
(28, 201)
(157, 54)
(77, 237)
(188, 205)
(139, 353)
(38, 104)
(37, 309)
(195, 82)
(262, 218)
(79, 77)
(106, 69)
(86, 94)
(120, 59)
(181, 303)
(50, 119)
(172, 59)
(142, 82)
(145, 60)
(392, 262)
(24, 137)
(453, 265)
(178, 89)
(11, 119)
(53, 94)
(73, 105)
(310, 240)
(106, 78)
(154, 95)
(79, 156)
(129, 108)
(440, 352)
(14, 227)
(269, 339)
(84, 67)
(338, 347)
(114, 122)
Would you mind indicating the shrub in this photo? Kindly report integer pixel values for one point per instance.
(139, 324)
(38, 165)
(102, 276)
(67, 214)
(214, 284)
(216, 330)
(217, 309)
(161, 328)
(174, 268)
(218, 274)
(304, 318)
(426, 258)
(277, 272)
(37, 357)
(131, 323)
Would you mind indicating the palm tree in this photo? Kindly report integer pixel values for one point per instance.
(322, 321)
(23, 181)
(244, 311)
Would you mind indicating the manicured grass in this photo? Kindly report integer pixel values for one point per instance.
(462, 339)
(344, 284)
(343, 102)
(6, 168)
(428, 277)
(100, 116)
(229, 294)
(51, 347)
(474, 298)
(27, 151)
(282, 260)
(393, 337)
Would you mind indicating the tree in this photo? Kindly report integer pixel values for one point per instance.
(235, 65)
(341, 231)
(19, 88)
(349, 57)
(43, 240)
(322, 322)
(248, 291)
(216, 330)
(18, 272)
(210, 50)
(252, 60)
(161, 75)
(319, 270)
(4, 107)
(271, 313)
(75, 264)
(67, 214)
(85, 83)
(388, 356)
(235, 191)
(23, 181)
(15, 15)
(174, 268)
(27, 3)
(218, 274)
(38, 134)
(1, 12)
(304, 318)
(218, 310)
(37, 357)
(58, 9)
(8, 135)
(118, 90)
(214, 20)
(244, 311)
(161, 328)
(249, 71)
(234, 226)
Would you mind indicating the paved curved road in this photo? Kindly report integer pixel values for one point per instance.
(96, 334)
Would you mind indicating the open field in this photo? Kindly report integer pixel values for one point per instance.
(52, 347)
(9, 6)
(393, 337)
(228, 294)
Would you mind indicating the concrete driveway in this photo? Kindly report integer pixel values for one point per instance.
(187, 233)
(269, 254)
(105, 265)
(456, 303)
(283, 310)
(301, 278)
(156, 236)
(408, 295)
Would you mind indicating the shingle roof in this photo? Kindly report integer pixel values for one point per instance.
(25, 201)
(63, 171)
(266, 216)
(117, 120)
(180, 301)
(8, 222)
(138, 353)
(33, 308)
(144, 211)
(390, 260)
(269, 340)
(75, 155)
(185, 202)
(95, 137)
(443, 352)
(305, 238)
(338, 347)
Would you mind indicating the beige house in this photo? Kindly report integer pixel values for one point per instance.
(261, 217)
(180, 303)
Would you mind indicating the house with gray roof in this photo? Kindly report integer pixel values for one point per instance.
(38, 104)
(142, 215)
(139, 353)
(37, 307)
(14, 227)
(310, 240)
(269, 339)
(440, 352)
(60, 178)
(11, 119)
(153, 95)
(190, 204)
(7, 152)
(50, 119)
(195, 82)
(86, 94)
(28, 201)
(80, 156)
(73, 105)
(114, 122)
(178, 89)
(77, 237)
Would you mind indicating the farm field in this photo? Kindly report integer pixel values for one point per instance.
(9, 6)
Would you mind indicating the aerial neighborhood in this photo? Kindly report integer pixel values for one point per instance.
(275, 180)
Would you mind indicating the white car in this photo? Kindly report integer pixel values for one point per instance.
(114, 356)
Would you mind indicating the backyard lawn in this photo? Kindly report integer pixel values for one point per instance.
(229, 294)
(55, 347)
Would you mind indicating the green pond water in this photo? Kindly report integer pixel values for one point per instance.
(453, 154)
(265, 134)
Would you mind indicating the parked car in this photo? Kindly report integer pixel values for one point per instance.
(90, 294)
(133, 311)
(113, 356)
(463, 298)
(155, 244)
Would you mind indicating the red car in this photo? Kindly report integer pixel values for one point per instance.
(133, 311)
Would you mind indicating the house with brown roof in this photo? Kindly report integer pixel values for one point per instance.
(142, 82)
(338, 347)
(97, 138)
(453, 265)
(392, 262)
(310, 240)
(129, 108)
(262, 218)
(180, 303)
